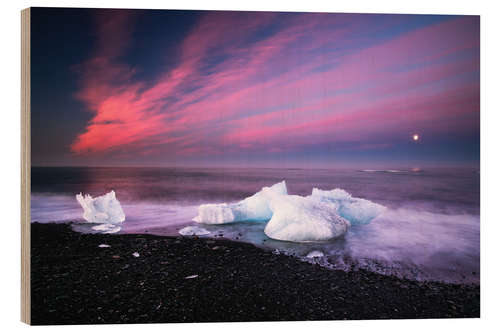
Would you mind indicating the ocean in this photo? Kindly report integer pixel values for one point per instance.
(430, 230)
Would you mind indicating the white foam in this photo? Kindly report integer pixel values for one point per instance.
(254, 208)
(103, 209)
(194, 230)
(384, 171)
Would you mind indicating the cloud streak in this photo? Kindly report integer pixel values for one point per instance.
(272, 82)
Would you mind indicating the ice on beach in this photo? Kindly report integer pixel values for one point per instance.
(104, 245)
(107, 228)
(194, 230)
(315, 254)
(302, 219)
(323, 215)
(355, 210)
(103, 209)
(136, 254)
(254, 208)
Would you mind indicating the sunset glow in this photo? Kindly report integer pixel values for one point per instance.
(233, 86)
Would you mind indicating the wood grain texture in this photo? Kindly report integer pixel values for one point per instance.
(25, 167)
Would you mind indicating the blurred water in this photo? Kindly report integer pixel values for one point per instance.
(430, 231)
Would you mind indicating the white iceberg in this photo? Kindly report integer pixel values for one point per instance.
(356, 210)
(104, 209)
(194, 230)
(254, 208)
(323, 215)
(303, 219)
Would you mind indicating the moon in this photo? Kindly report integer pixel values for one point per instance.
(416, 137)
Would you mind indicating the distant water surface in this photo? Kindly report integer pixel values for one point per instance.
(429, 232)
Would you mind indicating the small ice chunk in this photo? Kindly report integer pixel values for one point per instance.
(136, 254)
(302, 219)
(356, 210)
(253, 208)
(191, 276)
(112, 230)
(103, 209)
(104, 245)
(194, 230)
(107, 228)
(315, 254)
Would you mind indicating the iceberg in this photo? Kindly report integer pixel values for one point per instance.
(254, 208)
(194, 230)
(321, 216)
(104, 209)
(304, 219)
(356, 210)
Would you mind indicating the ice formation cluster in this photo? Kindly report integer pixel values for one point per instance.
(323, 215)
(105, 210)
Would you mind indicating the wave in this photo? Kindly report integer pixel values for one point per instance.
(385, 171)
(423, 242)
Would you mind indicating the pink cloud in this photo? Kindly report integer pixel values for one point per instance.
(290, 89)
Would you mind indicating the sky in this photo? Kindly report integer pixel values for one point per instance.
(262, 89)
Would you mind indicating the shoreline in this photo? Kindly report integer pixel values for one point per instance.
(190, 279)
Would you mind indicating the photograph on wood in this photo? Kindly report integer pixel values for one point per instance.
(220, 166)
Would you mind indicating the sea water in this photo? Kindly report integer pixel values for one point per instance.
(429, 231)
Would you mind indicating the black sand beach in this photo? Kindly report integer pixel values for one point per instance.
(179, 279)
